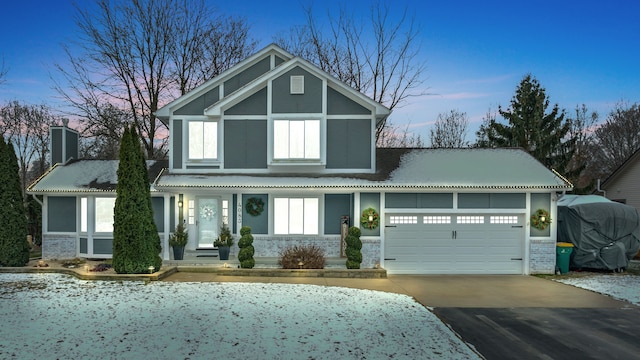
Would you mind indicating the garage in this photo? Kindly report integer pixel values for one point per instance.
(454, 243)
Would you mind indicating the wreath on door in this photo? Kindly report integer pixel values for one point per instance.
(540, 219)
(370, 218)
(254, 206)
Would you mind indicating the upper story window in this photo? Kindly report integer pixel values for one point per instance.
(296, 139)
(203, 140)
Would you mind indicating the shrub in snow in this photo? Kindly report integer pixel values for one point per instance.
(14, 248)
(354, 255)
(245, 255)
(302, 257)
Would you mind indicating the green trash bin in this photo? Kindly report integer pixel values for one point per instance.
(563, 256)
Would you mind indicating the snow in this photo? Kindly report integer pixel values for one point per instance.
(54, 315)
(621, 287)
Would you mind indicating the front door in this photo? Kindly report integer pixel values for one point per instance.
(208, 221)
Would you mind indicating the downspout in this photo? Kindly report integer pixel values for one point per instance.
(37, 200)
(604, 192)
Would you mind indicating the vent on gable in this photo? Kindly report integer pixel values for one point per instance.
(297, 84)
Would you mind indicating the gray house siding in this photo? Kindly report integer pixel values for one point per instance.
(540, 201)
(245, 144)
(197, 106)
(158, 212)
(247, 76)
(259, 224)
(368, 200)
(279, 60)
(338, 104)
(309, 102)
(71, 145)
(255, 104)
(61, 212)
(419, 200)
(336, 206)
(56, 146)
(177, 144)
(348, 144)
(491, 201)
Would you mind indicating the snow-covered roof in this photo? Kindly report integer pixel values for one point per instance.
(437, 169)
(86, 176)
(452, 169)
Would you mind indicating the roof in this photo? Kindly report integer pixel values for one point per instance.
(439, 169)
(248, 89)
(86, 176)
(630, 162)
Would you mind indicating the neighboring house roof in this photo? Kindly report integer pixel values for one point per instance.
(86, 176)
(631, 161)
(401, 168)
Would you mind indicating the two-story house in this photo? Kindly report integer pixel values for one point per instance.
(279, 145)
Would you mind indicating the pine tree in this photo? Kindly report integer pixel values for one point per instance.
(136, 244)
(14, 248)
(529, 126)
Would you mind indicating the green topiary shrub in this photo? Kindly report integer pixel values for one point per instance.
(245, 255)
(354, 255)
(302, 257)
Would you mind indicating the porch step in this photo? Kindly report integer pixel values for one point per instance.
(203, 253)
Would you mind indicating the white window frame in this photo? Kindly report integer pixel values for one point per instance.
(296, 215)
(289, 146)
(201, 149)
(101, 216)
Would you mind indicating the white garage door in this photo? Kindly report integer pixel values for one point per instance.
(454, 244)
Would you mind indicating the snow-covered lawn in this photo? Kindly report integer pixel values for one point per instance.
(622, 287)
(45, 316)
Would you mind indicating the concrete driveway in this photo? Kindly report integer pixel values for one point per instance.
(504, 316)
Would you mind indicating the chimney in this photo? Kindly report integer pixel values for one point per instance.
(64, 143)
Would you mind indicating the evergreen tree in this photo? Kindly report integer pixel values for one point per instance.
(14, 248)
(136, 244)
(529, 126)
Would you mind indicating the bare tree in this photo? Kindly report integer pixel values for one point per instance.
(138, 55)
(616, 139)
(583, 124)
(3, 72)
(379, 58)
(450, 130)
(27, 127)
(395, 136)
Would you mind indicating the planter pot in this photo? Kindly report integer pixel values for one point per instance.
(224, 252)
(178, 252)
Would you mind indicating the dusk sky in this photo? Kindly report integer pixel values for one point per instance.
(476, 52)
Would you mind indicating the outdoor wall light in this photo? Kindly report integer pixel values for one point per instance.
(180, 204)
(370, 218)
(543, 219)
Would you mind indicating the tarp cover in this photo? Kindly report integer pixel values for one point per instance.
(605, 234)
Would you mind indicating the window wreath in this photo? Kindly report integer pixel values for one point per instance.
(255, 206)
(370, 218)
(540, 219)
